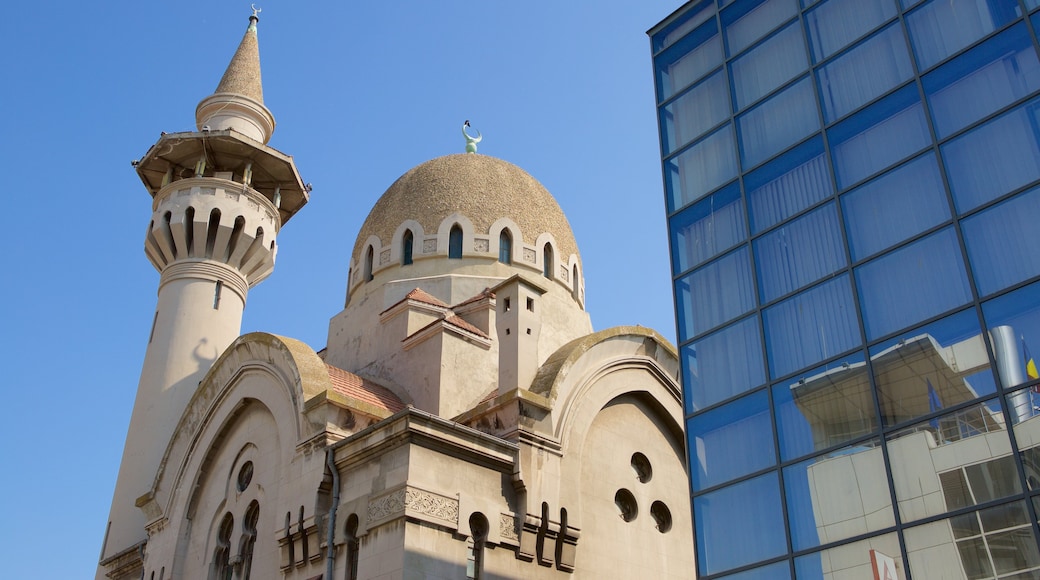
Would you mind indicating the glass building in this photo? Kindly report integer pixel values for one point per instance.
(853, 198)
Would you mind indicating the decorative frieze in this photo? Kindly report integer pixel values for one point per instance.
(529, 255)
(481, 245)
(384, 257)
(429, 246)
(416, 502)
(509, 527)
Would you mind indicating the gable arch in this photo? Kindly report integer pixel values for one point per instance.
(397, 241)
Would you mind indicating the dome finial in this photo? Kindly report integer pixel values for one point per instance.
(471, 142)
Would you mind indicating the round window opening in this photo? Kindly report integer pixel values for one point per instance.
(662, 516)
(245, 475)
(626, 505)
(641, 465)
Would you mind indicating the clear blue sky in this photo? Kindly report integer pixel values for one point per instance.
(360, 94)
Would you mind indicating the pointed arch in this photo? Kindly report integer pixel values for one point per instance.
(548, 261)
(369, 258)
(407, 247)
(455, 242)
(505, 247)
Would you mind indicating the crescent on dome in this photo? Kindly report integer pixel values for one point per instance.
(471, 142)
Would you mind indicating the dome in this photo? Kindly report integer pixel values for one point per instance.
(481, 188)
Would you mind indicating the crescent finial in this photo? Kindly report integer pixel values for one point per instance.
(471, 142)
(256, 11)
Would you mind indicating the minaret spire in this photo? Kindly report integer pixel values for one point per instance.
(219, 199)
(238, 102)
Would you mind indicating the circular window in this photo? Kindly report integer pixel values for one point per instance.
(641, 465)
(662, 516)
(245, 475)
(626, 505)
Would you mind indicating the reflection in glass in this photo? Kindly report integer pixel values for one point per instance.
(810, 327)
(836, 23)
(788, 184)
(768, 65)
(838, 495)
(871, 558)
(878, 136)
(995, 158)
(952, 461)
(943, 27)
(997, 243)
(701, 168)
(746, 524)
(781, 121)
(691, 18)
(688, 60)
(714, 294)
(703, 230)
(844, 87)
(912, 283)
(697, 110)
(1014, 329)
(895, 207)
(824, 407)
(748, 20)
(799, 253)
(930, 368)
(730, 441)
(994, 542)
(723, 364)
(996, 73)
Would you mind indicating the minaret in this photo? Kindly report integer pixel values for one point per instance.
(220, 197)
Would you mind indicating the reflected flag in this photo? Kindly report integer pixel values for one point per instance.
(934, 403)
(1031, 371)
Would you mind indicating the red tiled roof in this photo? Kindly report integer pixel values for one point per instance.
(484, 294)
(456, 321)
(490, 396)
(351, 385)
(419, 295)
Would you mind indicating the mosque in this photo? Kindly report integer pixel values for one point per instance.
(463, 420)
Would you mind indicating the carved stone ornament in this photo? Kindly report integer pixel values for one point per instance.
(508, 527)
(429, 246)
(529, 255)
(384, 257)
(414, 500)
(480, 245)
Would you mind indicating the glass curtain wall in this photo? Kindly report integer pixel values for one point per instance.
(853, 199)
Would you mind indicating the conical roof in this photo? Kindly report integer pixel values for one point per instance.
(242, 76)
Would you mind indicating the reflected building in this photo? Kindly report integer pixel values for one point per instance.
(853, 190)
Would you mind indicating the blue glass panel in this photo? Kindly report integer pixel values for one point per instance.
(824, 407)
(1031, 4)
(879, 136)
(706, 228)
(837, 23)
(895, 206)
(714, 294)
(838, 495)
(693, 16)
(697, 110)
(723, 364)
(688, 60)
(748, 20)
(783, 120)
(730, 441)
(1002, 244)
(810, 327)
(912, 283)
(929, 368)
(701, 168)
(788, 184)
(769, 65)
(942, 27)
(995, 158)
(990, 76)
(739, 525)
(843, 85)
(777, 571)
(1013, 323)
(799, 253)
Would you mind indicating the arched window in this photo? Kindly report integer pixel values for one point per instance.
(406, 247)
(505, 247)
(222, 568)
(369, 256)
(547, 261)
(352, 547)
(455, 242)
(478, 529)
(248, 542)
(575, 284)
